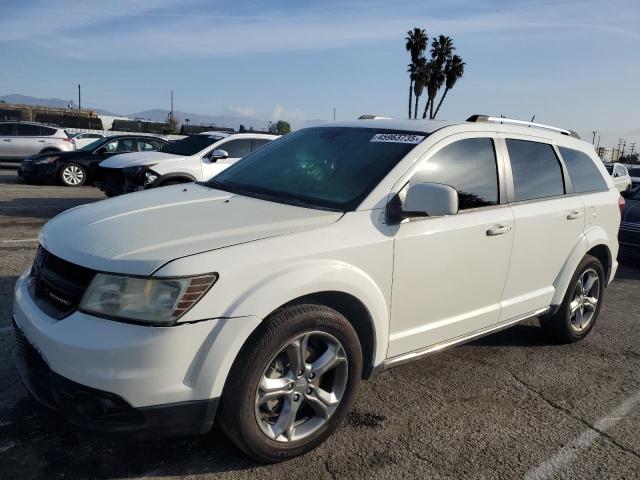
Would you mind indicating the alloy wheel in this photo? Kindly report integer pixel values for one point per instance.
(301, 386)
(73, 175)
(586, 295)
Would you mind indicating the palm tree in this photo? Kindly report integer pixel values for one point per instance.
(421, 80)
(436, 79)
(441, 49)
(416, 43)
(453, 71)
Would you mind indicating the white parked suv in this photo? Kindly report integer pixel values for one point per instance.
(195, 158)
(262, 297)
(19, 140)
(620, 174)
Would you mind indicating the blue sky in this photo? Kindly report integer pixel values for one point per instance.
(572, 63)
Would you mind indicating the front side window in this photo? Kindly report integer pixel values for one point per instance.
(536, 170)
(584, 174)
(236, 148)
(259, 143)
(25, 130)
(120, 145)
(321, 167)
(469, 166)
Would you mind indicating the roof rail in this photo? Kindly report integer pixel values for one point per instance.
(372, 117)
(487, 118)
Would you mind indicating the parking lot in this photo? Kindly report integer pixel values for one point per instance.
(511, 405)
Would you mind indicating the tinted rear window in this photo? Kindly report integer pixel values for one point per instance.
(584, 174)
(536, 170)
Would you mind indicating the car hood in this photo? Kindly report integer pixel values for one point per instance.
(140, 232)
(133, 159)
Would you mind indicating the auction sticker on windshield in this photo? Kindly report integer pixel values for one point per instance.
(397, 138)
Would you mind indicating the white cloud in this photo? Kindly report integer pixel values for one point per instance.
(241, 111)
(101, 28)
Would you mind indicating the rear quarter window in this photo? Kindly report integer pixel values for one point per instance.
(584, 173)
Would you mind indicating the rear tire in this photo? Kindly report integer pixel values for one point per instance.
(73, 175)
(269, 381)
(581, 305)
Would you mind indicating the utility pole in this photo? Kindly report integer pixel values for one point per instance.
(171, 114)
(633, 148)
(334, 114)
(593, 140)
(79, 98)
(598, 142)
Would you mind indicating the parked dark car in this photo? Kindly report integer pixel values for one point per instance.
(629, 234)
(80, 166)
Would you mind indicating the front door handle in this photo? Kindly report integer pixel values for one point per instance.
(574, 215)
(499, 230)
(6, 140)
(40, 141)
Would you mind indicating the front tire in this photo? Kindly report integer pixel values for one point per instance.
(292, 384)
(73, 175)
(581, 304)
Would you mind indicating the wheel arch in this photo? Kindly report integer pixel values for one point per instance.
(596, 246)
(356, 313)
(174, 177)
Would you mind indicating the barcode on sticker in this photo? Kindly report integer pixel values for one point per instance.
(397, 138)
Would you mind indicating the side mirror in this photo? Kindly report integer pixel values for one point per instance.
(218, 155)
(429, 200)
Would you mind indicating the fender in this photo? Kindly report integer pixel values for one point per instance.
(247, 311)
(316, 276)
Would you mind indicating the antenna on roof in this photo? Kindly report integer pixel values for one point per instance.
(533, 118)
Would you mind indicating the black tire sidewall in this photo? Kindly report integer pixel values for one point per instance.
(84, 175)
(587, 263)
(238, 403)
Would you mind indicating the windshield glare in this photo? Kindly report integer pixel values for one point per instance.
(323, 167)
(191, 145)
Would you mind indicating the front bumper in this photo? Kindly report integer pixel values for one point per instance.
(149, 372)
(94, 409)
(38, 173)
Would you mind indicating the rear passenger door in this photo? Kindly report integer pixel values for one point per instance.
(28, 140)
(449, 271)
(549, 223)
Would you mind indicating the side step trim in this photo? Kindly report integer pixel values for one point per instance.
(439, 347)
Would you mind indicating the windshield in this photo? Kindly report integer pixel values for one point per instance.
(94, 145)
(191, 145)
(327, 167)
(609, 168)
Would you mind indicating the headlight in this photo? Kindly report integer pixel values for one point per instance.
(149, 177)
(149, 300)
(41, 161)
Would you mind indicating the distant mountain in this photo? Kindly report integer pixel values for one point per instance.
(47, 102)
(160, 115)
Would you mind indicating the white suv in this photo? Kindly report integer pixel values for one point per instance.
(195, 158)
(263, 296)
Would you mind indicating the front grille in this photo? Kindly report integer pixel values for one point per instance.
(56, 285)
(29, 354)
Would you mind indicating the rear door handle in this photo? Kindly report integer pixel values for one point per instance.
(6, 140)
(499, 230)
(574, 215)
(40, 141)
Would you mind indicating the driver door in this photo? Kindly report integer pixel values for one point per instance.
(449, 271)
